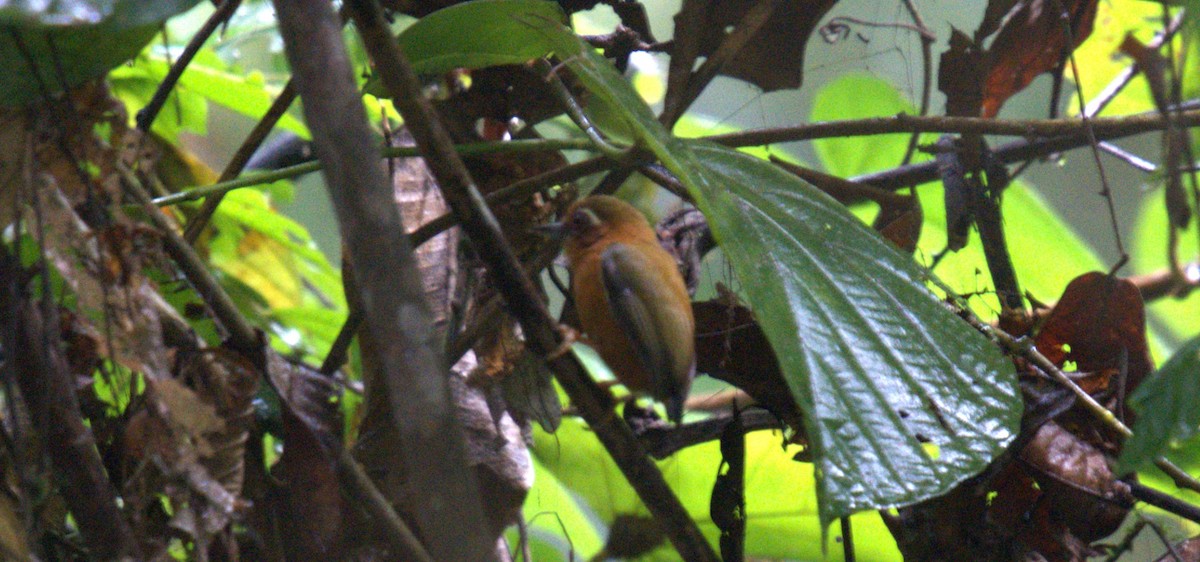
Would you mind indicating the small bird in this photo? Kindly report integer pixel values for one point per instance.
(633, 305)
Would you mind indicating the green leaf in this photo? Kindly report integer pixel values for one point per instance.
(856, 96)
(876, 363)
(781, 524)
(873, 359)
(82, 40)
(135, 84)
(474, 35)
(246, 94)
(1166, 407)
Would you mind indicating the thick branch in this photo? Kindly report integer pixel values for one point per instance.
(448, 514)
(518, 289)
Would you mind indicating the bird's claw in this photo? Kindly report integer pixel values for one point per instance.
(569, 337)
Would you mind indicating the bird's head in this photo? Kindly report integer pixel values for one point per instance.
(597, 218)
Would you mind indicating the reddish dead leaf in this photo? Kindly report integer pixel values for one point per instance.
(774, 58)
(1033, 40)
(1100, 324)
(310, 503)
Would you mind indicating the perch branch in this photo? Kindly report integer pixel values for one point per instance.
(520, 293)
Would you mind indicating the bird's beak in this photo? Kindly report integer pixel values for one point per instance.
(555, 230)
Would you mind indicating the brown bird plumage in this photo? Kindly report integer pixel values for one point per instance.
(632, 302)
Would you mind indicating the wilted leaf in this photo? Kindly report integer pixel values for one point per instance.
(1100, 324)
(1076, 481)
(1033, 40)
(731, 346)
(773, 59)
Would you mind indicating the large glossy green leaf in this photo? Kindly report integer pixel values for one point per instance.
(69, 43)
(1166, 407)
(876, 363)
(475, 35)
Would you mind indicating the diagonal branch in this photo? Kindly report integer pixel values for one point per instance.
(443, 488)
(520, 294)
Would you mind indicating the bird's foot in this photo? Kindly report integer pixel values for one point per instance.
(569, 337)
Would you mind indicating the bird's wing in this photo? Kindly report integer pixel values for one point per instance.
(633, 287)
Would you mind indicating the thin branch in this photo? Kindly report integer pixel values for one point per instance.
(751, 23)
(445, 499)
(520, 293)
(1022, 150)
(1105, 189)
(243, 336)
(927, 41)
(146, 116)
(1024, 347)
(1102, 128)
(240, 158)
(359, 487)
(689, 24)
(1164, 501)
(471, 149)
(516, 192)
(571, 106)
(662, 440)
(35, 358)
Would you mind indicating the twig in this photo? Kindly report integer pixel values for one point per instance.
(520, 294)
(837, 29)
(662, 440)
(240, 158)
(689, 24)
(243, 336)
(1126, 544)
(1135, 161)
(571, 106)
(1025, 348)
(358, 486)
(445, 499)
(1105, 189)
(1165, 501)
(847, 540)
(515, 192)
(470, 149)
(146, 116)
(34, 356)
(927, 41)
